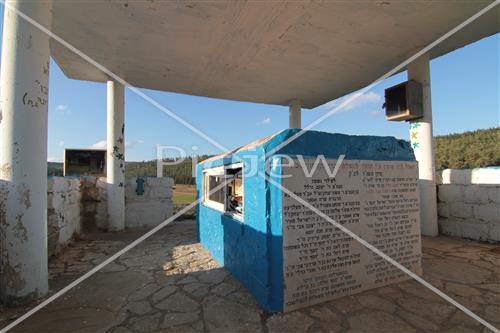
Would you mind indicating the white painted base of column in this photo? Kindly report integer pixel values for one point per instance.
(295, 120)
(23, 154)
(422, 143)
(428, 208)
(115, 163)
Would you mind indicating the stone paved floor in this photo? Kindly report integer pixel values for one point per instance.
(171, 284)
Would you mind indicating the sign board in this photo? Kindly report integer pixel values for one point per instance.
(404, 101)
(85, 162)
(377, 200)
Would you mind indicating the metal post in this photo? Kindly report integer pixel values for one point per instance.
(115, 169)
(23, 154)
(422, 143)
(295, 114)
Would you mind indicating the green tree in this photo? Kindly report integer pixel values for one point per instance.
(468, 150)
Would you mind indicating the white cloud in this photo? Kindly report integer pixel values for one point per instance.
(60, 143)
(128, 144)
(61, 108)
(98, 145)
(133, 144)
(265, 121)
(355, 100)
(55, 159)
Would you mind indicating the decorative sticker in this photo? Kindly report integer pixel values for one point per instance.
(415, 143)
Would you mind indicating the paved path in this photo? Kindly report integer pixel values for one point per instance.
(171, 284)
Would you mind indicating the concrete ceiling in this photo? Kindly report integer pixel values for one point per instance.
(265, 52)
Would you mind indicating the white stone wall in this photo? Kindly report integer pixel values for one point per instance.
(152, 207)
(63, 212)
(469, 203)
(78, 204)
(141, 211)
(94, 205)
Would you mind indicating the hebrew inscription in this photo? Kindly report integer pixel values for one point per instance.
(377, 200)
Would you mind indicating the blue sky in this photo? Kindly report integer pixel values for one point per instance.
(465, 96)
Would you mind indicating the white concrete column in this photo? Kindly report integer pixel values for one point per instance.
(115, 163)
(422, 143)
(23, 154)
(295, 117)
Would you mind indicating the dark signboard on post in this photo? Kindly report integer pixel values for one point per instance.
(85, 162)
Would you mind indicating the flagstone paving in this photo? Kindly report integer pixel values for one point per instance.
(169, 283)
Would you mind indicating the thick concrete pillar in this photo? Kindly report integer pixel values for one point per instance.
(23, 154)
(295, 116)
(115, 163)
(422, 143)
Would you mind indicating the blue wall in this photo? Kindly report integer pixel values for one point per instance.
(244, 248)
(252, 250)
(354, 147)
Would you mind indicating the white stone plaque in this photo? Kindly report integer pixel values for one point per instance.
(377, 200)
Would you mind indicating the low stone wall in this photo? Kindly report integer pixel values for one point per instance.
(142, 210)
(94, 203)
(151, 207)
(469, 203)
(63, 212)
(78, 204)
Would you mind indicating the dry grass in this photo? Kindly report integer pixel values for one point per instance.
(183, 196)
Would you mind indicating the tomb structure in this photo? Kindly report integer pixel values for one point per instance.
(281, 249)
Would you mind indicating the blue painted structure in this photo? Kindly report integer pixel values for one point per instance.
(140, 186)
(252, 250)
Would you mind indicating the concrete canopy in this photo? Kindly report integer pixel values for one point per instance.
(265, 52)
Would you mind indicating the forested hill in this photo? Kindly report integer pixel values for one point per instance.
(468, 150)
(475, 149)
(181, 173)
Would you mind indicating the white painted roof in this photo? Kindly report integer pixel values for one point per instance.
(266, 52)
